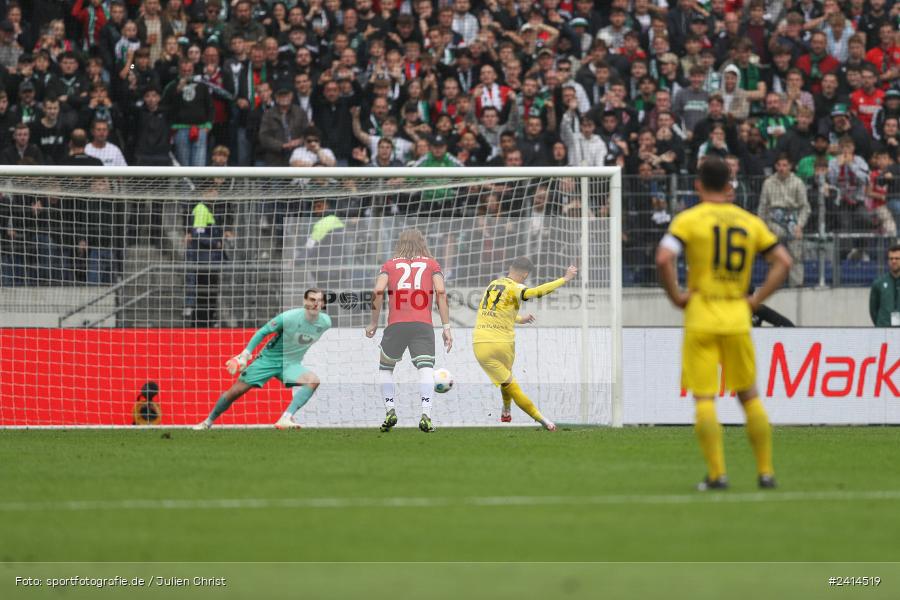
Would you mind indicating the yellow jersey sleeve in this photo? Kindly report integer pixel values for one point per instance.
(765, 239)
(518, 290)
(681, 227)
(542, 290)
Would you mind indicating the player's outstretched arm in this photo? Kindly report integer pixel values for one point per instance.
(779, 266)
(440, 292)
(668, 275)
(550, 286)
(378, 292)
(240, 362)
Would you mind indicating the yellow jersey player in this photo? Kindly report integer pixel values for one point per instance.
(720, 242)
(494, 337)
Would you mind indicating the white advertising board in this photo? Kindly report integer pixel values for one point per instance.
(804, 376)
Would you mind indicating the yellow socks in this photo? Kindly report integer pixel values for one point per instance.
(507, 399)
(760, 433)
(709, 434)
(522, 401)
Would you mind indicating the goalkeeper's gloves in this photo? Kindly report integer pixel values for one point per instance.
(238, 363)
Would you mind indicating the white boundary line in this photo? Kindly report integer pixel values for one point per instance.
(446, 502)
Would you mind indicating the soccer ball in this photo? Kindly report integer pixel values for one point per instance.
(443, 381)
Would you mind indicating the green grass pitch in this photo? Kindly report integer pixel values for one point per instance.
(470, 497)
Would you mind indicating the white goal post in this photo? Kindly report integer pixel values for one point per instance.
(123, 290)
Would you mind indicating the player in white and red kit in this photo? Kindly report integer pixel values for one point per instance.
(412, 281)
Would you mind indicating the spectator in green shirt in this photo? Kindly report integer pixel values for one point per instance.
(773, 125)
(806, 166)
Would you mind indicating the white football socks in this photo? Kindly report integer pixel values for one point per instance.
(426, 387)
(387, 388)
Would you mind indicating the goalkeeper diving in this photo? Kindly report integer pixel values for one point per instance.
(494, 337)
(295, 332)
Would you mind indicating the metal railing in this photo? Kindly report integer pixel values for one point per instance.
(833, 253)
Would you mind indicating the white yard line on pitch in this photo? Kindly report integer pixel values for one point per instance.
(447, 502)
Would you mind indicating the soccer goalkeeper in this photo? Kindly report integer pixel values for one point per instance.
(296, 330)
(494, 337)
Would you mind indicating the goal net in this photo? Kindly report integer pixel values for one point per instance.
(124, 290)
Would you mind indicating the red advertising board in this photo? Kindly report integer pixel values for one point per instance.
(94, 376)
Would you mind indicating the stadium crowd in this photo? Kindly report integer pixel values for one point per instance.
(801, 97)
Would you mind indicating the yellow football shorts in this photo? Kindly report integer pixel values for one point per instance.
(496, 359)
(701, 355)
